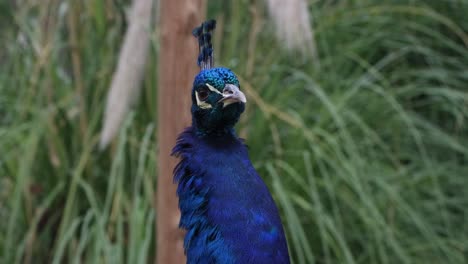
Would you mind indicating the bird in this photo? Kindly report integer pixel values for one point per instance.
(227, 211)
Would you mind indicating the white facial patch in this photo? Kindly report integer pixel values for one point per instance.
(213, 89)
(205, 105)
(201, 104)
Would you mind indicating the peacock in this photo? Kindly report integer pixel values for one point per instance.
(226, 209)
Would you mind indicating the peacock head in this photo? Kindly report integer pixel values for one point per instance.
(217, 101)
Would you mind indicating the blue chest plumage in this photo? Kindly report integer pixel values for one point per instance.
(226, 208)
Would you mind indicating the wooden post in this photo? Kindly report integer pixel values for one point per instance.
(177, 69)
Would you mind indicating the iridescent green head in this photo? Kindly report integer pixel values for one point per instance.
(217, 101)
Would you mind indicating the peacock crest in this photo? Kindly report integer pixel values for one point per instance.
(204, 34)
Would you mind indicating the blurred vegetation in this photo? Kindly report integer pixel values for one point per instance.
(366, 154)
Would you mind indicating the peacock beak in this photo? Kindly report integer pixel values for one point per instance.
(232, 94)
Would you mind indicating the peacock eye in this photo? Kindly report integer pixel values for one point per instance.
(203, 93)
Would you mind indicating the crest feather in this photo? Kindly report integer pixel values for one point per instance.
(204, 34)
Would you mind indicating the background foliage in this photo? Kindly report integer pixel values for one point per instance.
(365, 153)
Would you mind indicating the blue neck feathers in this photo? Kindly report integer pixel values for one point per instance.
(227, 210)
(203, 242)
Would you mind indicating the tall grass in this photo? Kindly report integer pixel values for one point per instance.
(366, 154)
